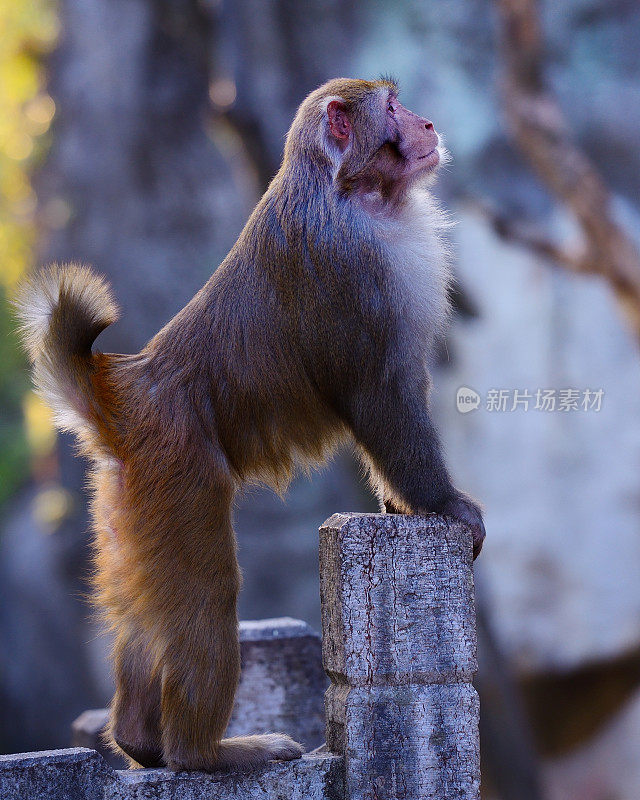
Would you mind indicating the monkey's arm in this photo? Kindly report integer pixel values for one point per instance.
(391, 422)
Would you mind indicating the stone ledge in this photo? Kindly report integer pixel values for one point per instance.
(74, 774)
(262, 630)
(81, 774)
(313, 777)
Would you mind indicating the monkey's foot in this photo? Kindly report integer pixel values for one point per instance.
(140, 755)
(242, 753)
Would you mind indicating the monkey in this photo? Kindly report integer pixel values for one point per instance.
(318, 327)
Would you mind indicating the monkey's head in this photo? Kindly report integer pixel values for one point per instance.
(365, 137)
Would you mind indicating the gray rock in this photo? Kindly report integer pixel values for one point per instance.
(282, 681)
(399, 645)
(74, 774)
(313, 777)
(81, 774)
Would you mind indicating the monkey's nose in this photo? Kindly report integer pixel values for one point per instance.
(428, 125)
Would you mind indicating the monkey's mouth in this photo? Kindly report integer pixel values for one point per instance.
(432, 157)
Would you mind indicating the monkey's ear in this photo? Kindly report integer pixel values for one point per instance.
(339, 124)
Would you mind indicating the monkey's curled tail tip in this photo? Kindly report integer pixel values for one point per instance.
(253, 751)
(248, 752)
(61, 310)
(69, 302)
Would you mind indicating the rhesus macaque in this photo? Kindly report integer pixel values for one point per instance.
(318, 326)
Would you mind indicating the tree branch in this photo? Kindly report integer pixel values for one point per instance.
(540, 130)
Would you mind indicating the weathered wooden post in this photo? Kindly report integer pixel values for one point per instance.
(399, 645)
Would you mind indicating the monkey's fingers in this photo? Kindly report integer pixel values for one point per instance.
(465, 510)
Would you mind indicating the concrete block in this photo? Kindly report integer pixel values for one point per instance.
(399, 645)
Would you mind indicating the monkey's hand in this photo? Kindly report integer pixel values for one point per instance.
(459, 507)
(464, 509)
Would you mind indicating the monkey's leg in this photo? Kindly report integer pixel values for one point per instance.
(201, 669)
(134, 724)
(134, 721)
(391, 423)
(185, 582)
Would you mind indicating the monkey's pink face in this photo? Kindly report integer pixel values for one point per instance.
(410, 145)
(413, 136)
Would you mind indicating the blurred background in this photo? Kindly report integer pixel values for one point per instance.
(138, 134)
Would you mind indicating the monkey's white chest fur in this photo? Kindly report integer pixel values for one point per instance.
(418, 258)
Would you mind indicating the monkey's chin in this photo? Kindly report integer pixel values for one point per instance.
(430, 166)
(430, 160)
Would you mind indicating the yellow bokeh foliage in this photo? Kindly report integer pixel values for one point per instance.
(28, 30)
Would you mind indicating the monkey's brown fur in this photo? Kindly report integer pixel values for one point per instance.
(312, 329)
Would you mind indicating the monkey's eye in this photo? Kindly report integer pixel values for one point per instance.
(390, 107)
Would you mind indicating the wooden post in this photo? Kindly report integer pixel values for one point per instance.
(399, 646)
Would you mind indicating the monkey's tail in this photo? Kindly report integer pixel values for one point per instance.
(61, 310)
(247, 752)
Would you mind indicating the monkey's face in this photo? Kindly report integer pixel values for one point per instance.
(413, 137)
(381, 143)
